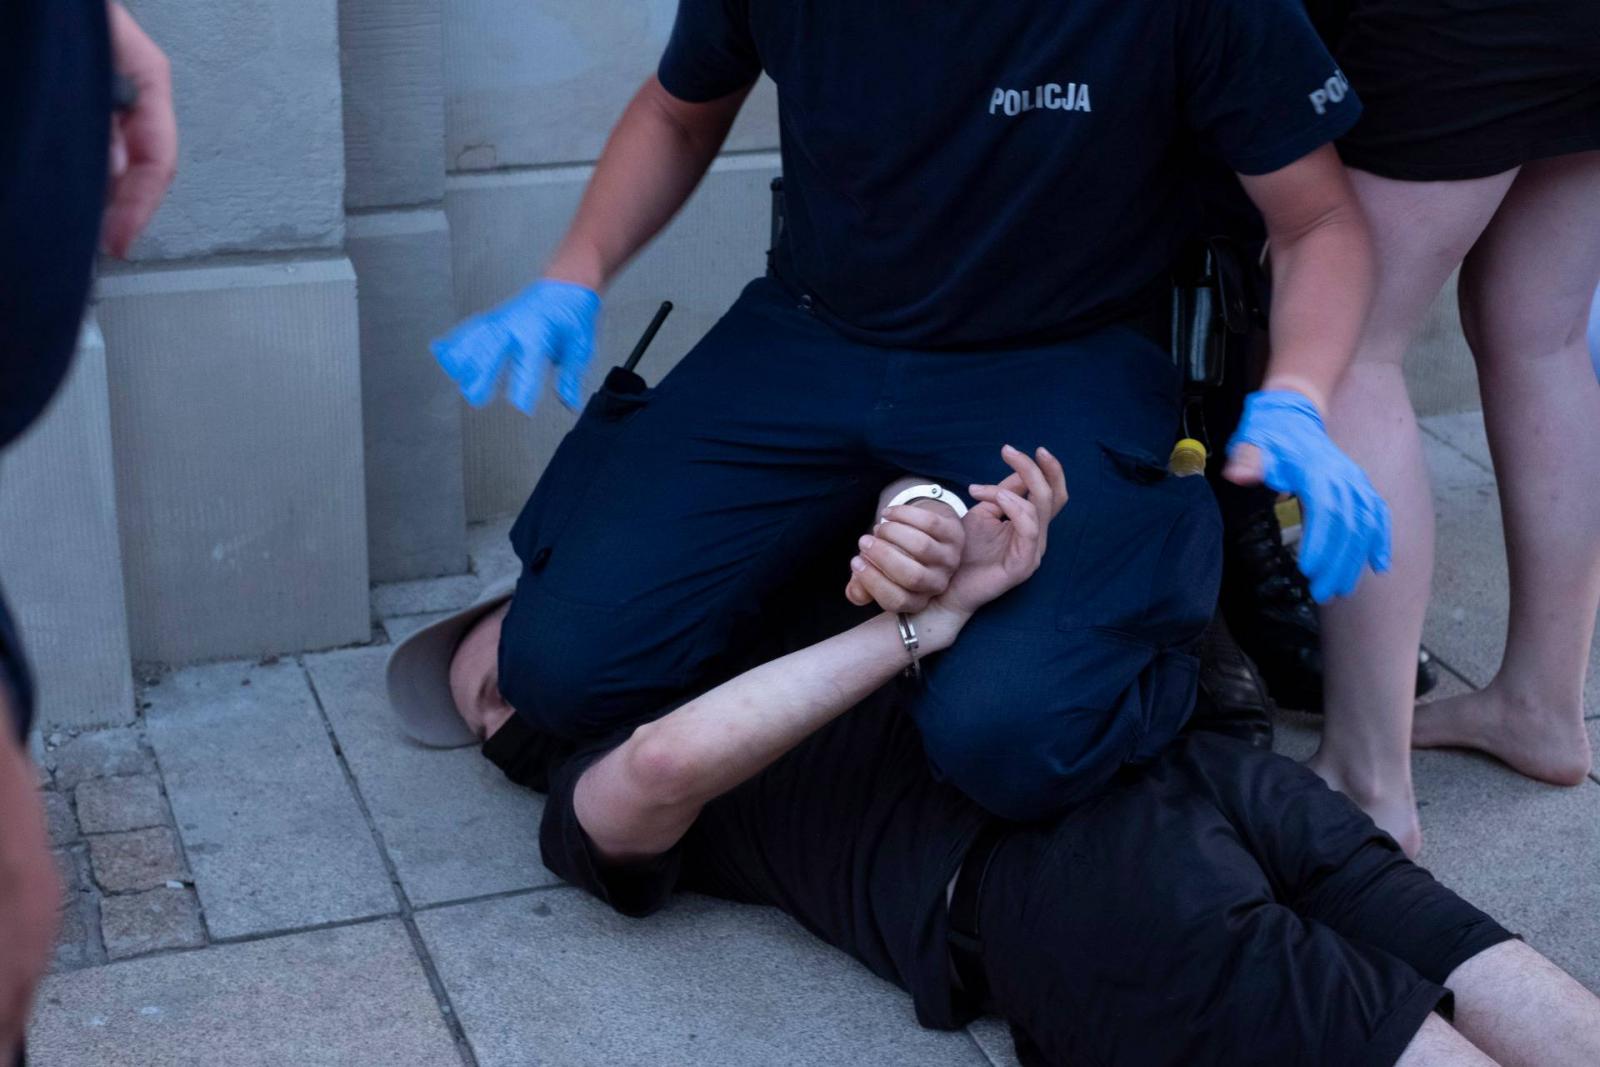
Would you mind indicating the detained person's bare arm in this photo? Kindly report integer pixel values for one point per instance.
(639, 799)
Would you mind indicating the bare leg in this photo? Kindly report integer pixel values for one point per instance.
(1522, 1009)
(1438, 1044)
(1421, 231)
(1525, 292)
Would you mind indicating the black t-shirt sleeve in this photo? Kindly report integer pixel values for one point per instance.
(1259, 87)
(637, 889)
(711, 52)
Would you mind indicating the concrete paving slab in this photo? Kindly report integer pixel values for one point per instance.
(1522, 851)
(401, 627)
(425, 595)
(1463, 431)
(272, 832)
(558, 978)
(452, 824)
(350, 995)
(993, 1037)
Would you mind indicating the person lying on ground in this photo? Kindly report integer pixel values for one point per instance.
(1217, 905)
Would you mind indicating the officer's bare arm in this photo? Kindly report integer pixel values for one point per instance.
(656, 155)
(1322, 271)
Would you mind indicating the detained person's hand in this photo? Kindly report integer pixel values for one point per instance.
(1007, 530)
(908, 558)
(144, 137)
(1281, 441)
(550, 323)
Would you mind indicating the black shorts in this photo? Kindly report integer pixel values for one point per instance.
(1218, 906)
(1458, 89)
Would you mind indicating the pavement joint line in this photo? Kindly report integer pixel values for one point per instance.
(310, 928)
(979, 1046)
(1444, 664)
(407, 915)
(1423, 426)
(504, 894)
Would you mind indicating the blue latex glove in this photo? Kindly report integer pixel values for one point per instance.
(548, 323)
(1345, 521)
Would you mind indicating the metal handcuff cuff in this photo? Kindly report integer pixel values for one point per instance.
(908, 629)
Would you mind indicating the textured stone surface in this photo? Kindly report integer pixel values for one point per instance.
(390, 53)
(268, 821)
(556, 977)
(452, 824)
(410, 410)
(98, 754)
(352, 995)
(1440, 375)
(540, 81)
(261, 156)
(236, 416)
(400, 627)
(490, 548)
(72, 939)
(505, 224)
(59, 818)
(60, 555)
(138, 859)
(427, 595)
(994, 1038)
(107, 805)
(157, 919)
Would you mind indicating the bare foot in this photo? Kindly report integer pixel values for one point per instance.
(1394, 810)
(1548, 745)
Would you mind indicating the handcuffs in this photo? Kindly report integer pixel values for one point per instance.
(908, 629)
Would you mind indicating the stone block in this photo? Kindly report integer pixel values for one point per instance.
(489, 545)
(543, 82)
(60, 555)
(425, 596)
(156, 919)
(391, 56)
(98, 754)
(236, 416)
(113, 805)
(261, 151)
(506, 224)
(72, 947)
(272, 831)
(138, 859)
(452, 824)
(350, 995)
(401, 627)
(1440, 374)
(59, 818)
(411, 413)
(559, 977)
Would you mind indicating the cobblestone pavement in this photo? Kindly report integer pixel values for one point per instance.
(262, 872)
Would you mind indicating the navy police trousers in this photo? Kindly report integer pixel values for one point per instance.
(654, 541)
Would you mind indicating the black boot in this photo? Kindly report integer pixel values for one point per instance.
(1233, 699)
(1267, 604)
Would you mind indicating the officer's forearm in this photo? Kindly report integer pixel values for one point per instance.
(1322, 285)
(657, 154)
(1321, 271)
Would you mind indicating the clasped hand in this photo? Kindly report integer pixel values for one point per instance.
(917, 557)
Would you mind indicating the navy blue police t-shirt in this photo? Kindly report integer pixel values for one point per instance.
(969, 173)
